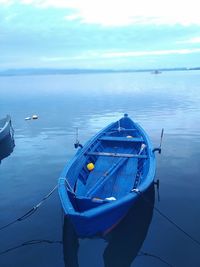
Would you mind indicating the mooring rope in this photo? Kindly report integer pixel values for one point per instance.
(31, 242)
(47, 241)
(155, 257)
(167, 218)
(31, 211)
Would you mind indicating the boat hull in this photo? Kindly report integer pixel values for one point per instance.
(121, 173)
(97, 223)
(5, 128)
(6, 146)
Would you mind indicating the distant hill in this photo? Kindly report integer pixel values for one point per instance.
(45, 71)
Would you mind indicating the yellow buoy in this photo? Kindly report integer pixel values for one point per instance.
(90, 166)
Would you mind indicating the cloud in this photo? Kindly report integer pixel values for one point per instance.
(53, 59)
(151, 53)
(6, 2)
(70, 32)
(72, 17)
(195, 40)
(11, 17)
(124, 12)
(110, 55)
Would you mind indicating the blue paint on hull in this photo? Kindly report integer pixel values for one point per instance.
(123, 159)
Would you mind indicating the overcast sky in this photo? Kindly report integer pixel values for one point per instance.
(99, 33)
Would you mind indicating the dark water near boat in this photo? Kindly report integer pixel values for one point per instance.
(170, 100)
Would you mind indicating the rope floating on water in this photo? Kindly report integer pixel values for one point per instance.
(31, 242)
(47, 241)
(31, 211)
(155, 257)
(167, 218)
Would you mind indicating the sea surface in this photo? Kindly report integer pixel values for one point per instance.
(170, 100)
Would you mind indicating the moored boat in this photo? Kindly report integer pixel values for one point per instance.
(5, 127)
(6, 146)
(156, 72)
(100, 184)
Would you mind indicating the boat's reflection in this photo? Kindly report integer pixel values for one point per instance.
(123, 242)
(6, 146)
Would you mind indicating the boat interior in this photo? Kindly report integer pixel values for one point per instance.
(120, 161)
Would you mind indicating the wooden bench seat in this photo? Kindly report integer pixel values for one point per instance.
(121, 139)
(120, 155)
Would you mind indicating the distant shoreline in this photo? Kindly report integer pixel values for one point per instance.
(45, 71)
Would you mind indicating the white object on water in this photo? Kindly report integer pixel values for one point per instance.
(28, 118)
(110, 198)
(34, 117)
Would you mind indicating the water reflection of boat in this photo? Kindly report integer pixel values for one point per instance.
(6, 146)
(70, 244)
(127, 238)
(124, 241)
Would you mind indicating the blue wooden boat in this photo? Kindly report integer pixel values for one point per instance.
(99, 185)
(5, 127)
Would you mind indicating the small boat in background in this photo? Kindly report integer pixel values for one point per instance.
(156, 72)
(5, 127)
(100, 184)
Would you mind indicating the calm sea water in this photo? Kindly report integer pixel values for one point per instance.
(170, 100)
